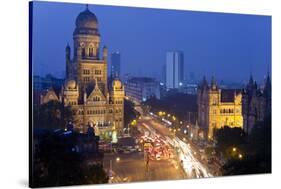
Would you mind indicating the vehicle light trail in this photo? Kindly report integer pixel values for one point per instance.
(190, 164)
(189, 161)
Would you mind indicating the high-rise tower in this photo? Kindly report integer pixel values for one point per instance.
(174, 69)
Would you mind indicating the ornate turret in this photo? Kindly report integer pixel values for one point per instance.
(251, 84)
(213, 84)
(204, 84)
(67, 61)
(67, 52)
(267, 88)
(104, 53)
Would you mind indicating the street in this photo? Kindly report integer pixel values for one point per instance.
(132, 167)
(189, 157)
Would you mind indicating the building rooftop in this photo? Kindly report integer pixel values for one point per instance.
(227, 95)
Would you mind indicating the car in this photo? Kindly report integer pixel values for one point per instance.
(201, 150)
(158, 157)
(127, 151)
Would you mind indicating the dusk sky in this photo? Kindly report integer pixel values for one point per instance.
(228, 46)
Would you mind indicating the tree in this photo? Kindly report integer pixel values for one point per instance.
(257, 156)
(52, 115)
(130, 113)
(228, 139)
(58, 164)
(177, 104)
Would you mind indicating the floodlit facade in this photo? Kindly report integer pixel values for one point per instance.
(218, 107)
(93, 100)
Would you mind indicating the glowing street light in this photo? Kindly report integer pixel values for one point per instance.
(240, 156)
(118, 159)
(234, 149)
(185, 131)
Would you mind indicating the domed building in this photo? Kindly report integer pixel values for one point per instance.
(94, 101)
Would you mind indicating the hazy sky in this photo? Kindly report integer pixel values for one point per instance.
(228, 46)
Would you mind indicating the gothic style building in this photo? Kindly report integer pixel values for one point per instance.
(93, 100)
(218, 107)
(256, 103)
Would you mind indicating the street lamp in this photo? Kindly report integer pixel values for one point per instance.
(240, 156)
(234, 149)
(118, 159)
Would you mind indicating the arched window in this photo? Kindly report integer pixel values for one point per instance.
(96, 98)
(91, 51)
(83, 52)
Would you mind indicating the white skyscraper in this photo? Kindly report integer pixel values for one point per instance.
(174, 69)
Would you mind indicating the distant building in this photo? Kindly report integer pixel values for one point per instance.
(256, 103)
(41, 84)
(174, 69)
(115, 65)
(140, 89)
(163, 74)
(189, 89)
(218, 107)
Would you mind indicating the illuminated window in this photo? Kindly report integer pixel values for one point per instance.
(87, 72)
(91, 52)
(98, 72)
(96, 98)
(83, 52)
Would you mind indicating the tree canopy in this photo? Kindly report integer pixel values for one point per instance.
(51, 115)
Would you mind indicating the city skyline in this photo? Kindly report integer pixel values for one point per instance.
(211, 40)
(90, 128)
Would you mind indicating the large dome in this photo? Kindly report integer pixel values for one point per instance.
(71, 84)
(86, 19)
(116, 84)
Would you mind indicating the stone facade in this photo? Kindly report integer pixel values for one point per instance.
(218, 107)
(256, 103)
(93, 101)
